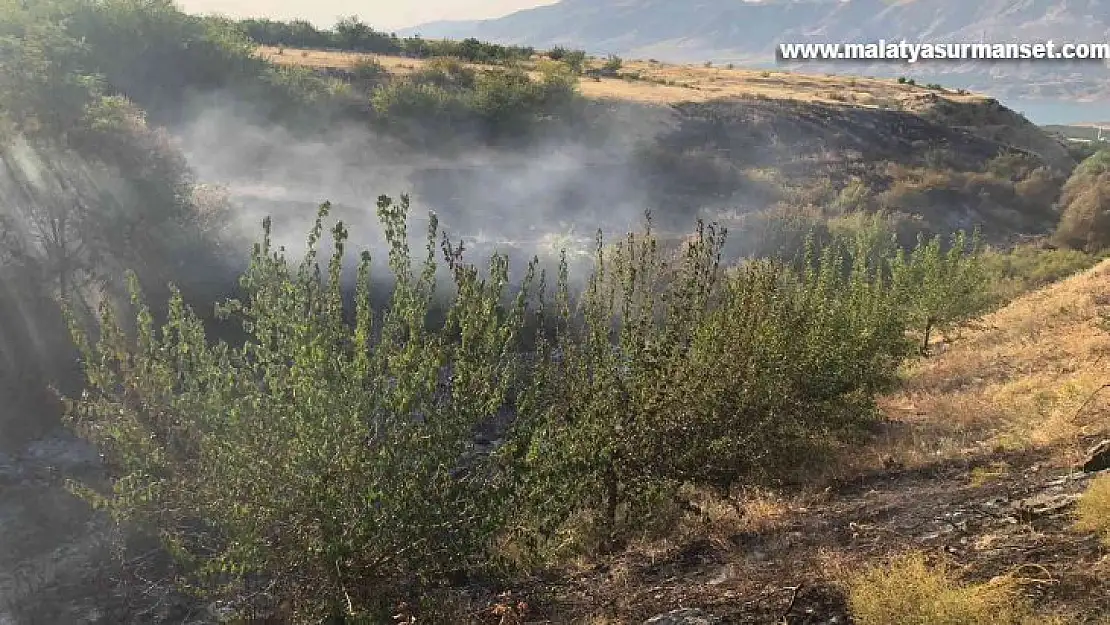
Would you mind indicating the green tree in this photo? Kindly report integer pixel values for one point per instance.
(45, 83)
(943, 288)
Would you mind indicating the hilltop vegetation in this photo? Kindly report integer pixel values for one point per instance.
(288, 442)
(353, 35)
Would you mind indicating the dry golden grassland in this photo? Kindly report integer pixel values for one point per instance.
(1029, 376)
(661, 83)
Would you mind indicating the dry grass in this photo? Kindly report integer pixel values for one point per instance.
(910, 591)
(981, 476)
(718, 520)
(334, 59)
(670, 83)
(659, 83)
(1027, 377)
(1093, 511)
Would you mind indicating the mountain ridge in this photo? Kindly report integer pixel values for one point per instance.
(736, 31)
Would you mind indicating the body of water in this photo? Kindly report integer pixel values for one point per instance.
(1044, 112)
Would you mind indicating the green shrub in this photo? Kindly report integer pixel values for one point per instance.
(575, 60)
(322, 454)
(1027, 267)
(498, 103)
(350, 33)
(613, 421)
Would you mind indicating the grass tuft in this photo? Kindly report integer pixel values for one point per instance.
(909, 591)
(1093, 511)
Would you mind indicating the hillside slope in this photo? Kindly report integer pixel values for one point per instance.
(727, 30)
(976, 464)
(732, 144)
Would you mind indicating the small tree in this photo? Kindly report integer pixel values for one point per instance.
(352, 33)
(942, 289)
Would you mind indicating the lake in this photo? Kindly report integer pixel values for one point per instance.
(1043, 112)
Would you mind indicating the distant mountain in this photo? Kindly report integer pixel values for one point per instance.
(748, 31)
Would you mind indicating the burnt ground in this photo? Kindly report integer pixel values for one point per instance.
(986, 521)
(1014, 523)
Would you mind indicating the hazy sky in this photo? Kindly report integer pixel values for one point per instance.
(382, 14)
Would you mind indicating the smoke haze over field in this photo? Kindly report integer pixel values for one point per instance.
(520, 202)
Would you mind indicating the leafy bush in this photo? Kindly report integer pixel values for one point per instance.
(292, 34)
(351, 33)
(149, 52)
(157, 55)
(910, 591)
(89, 187)
(1030, 266)
(575, 59)
(611, 429)
(322, 455)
